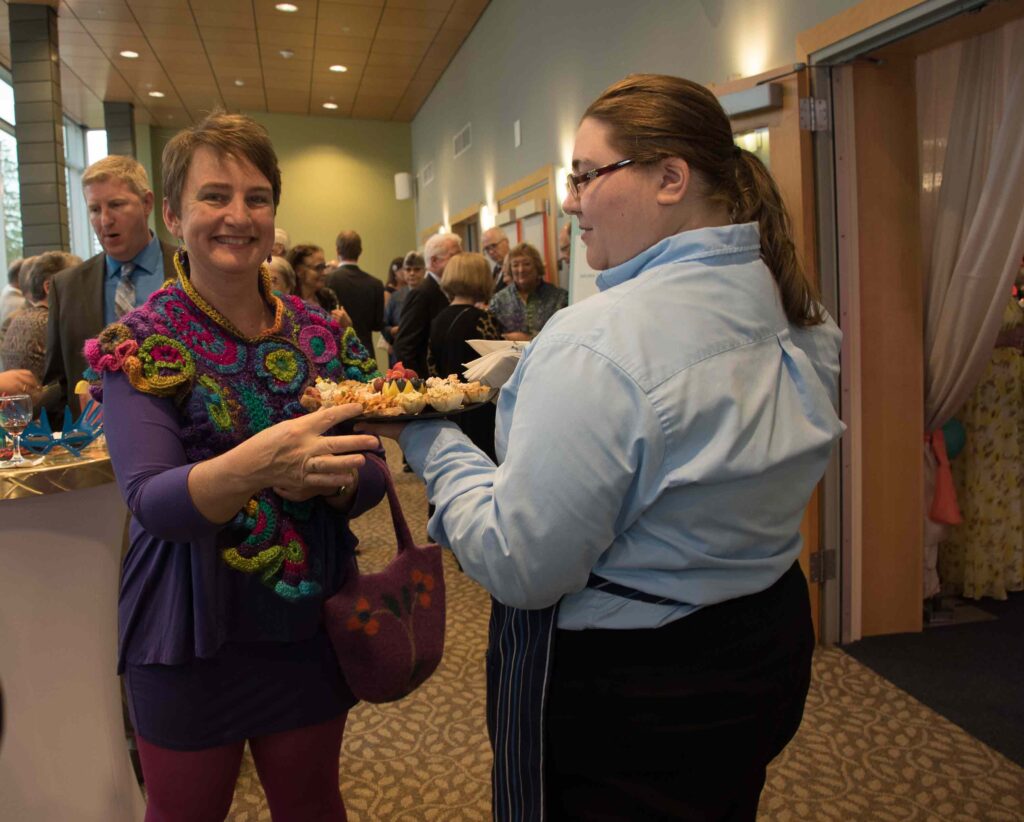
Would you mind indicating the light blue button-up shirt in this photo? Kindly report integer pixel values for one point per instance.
(148, 276)
(666, 433)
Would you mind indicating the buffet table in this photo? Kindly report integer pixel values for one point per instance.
(63, 753)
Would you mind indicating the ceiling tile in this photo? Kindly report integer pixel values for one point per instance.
(431, 5)
(423, 18)
(286, 25)
(462, 23)
(344, 43)
(406, 34)
(218, 35)
(99, 10)
(469, 6)
(112, 27)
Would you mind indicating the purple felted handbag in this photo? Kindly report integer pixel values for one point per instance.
(387, 628)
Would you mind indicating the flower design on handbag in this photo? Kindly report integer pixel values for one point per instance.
(363, 619)
(399, 605)
(422, 584)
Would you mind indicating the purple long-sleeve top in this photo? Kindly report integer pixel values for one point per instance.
(179, 600)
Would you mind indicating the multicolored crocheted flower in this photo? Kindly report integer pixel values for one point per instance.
(284, 371)
(422, 584)
(318, 343)
(363, 619)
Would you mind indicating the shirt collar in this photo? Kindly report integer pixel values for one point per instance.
(697, 244)
(147, 259)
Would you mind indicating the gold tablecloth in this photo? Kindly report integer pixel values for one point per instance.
(58, 472)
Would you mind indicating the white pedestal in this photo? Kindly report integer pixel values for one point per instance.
(63, 754)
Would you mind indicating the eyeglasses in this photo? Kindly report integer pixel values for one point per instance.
(317, 266)
(576, 181)
(492, 246)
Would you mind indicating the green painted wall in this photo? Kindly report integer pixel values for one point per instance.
(335, 175)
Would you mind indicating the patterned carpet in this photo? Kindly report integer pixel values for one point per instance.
(866, 750)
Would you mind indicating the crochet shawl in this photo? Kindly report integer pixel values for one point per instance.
(228, 387)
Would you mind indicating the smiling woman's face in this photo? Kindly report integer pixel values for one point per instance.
(227, 216)
(617, 212)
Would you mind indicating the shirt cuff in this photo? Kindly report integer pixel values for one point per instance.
(417, 441)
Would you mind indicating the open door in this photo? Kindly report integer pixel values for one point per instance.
(772, 132)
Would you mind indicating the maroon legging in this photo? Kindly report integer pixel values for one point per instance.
(298, 769)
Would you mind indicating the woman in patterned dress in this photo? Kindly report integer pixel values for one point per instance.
(524, 310)
(240, 500)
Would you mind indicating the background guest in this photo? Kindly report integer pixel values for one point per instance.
(282, 275)
(425, 302)
(523, 311)
(362, 294)
(132, 265)
(11, 295)
(307, 261)
(395, 281)
(18, 381)
(23, 337)
(468, 281)
(280, 247)
(411, 276)
(495, 245)
(240, 506)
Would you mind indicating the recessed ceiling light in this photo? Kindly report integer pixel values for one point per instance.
(239, 82)
(157, 94)
(289, 7)
(339, 68)
(330, 106)
(128, 54)
(287, 54)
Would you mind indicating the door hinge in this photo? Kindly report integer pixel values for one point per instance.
(823, 565)
(814, 114)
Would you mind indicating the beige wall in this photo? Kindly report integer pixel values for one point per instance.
(336, 174)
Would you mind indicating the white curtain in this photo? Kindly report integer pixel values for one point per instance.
(972, 216)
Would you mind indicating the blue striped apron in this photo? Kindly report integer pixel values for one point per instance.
(520, 649)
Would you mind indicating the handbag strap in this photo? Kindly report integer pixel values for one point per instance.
(402, 531)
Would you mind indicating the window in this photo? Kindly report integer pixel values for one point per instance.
(81, 148)
(10, 187)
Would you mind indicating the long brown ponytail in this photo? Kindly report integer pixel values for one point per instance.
(652, 116)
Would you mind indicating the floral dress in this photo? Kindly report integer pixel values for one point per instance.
(984, 556)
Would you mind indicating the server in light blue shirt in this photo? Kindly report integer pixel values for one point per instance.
(657, 445)
(133, 264)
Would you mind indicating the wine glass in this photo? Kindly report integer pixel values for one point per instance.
(15, 415)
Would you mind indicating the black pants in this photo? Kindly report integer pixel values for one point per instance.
(678, 722)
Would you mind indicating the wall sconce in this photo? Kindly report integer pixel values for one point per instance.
(405, 186)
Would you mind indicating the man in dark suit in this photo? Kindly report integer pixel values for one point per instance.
(86, 298)
(495, 245)
(424, 303)
(359, 293)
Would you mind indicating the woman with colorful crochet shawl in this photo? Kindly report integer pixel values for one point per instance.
(240, 500)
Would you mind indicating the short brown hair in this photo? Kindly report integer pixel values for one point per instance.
(527, 250)
(654, 116)
(126, 169)
(468, 275)
(229, 135)
(349, 245)
(42, 269)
